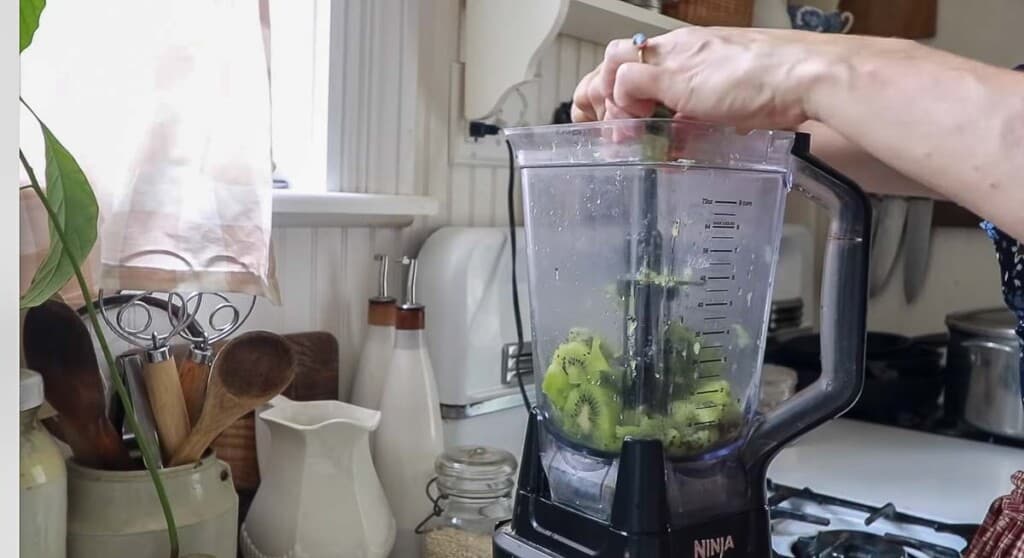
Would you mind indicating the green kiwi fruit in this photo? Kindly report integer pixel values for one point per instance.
(593, 413)
(581, 335)
(683, 413)
(698, 439)
(596, 364)
(648, 427)
(556, 385)
(572, 357)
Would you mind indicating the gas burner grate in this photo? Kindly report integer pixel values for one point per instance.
(781, 493)
(847, 542)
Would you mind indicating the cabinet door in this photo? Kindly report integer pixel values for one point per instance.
(910, 19)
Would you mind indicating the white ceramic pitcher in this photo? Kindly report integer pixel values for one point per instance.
(319, 494)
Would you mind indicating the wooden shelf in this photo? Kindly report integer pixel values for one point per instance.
(340, 209)
(601, 21)
(504, 40)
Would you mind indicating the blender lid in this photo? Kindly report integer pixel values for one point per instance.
(989, 322)
(686, 143)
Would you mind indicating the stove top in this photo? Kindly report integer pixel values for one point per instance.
(808, 524)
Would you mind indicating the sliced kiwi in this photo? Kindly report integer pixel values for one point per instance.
(573, 352)
(572, 358)
(581, 335)
(648, 427)
(672, 440)
(698, 439)
(556, 385)
(593, 413)
(683, 413)
(596, 364)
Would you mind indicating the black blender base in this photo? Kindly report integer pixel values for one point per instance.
(697, 542)
(639, 525)
(744, 535)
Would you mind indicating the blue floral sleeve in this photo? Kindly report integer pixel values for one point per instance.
(1010, 253)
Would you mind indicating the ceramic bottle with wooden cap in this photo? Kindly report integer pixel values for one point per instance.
(409, 438)
(378, 346)
(44, 479)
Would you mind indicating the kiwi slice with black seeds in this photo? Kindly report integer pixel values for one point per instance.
(593, 413)
(572, 357)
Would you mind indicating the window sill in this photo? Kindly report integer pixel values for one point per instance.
(339, 209)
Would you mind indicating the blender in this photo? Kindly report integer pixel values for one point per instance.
(651, 248)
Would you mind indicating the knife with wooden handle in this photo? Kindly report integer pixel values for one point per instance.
(917, 246)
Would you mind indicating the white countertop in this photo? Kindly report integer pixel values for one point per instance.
(934, 476)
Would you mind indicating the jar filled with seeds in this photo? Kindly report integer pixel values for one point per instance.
(471, 493)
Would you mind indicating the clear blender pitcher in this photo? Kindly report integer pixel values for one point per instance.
(651, 250)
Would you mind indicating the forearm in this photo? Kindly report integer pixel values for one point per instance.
(863, 168)
(952, 124)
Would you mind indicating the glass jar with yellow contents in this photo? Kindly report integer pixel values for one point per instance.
(44, 478)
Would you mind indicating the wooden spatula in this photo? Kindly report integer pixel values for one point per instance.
(59, 347)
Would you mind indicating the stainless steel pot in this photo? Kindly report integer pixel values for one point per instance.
(983, 364)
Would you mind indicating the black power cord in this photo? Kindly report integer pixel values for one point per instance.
(477, 130)
(515, 283)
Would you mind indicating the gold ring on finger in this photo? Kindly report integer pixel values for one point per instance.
(640, 42)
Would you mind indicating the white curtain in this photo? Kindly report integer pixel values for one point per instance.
(166, 106)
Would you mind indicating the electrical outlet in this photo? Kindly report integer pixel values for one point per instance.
(488, 151)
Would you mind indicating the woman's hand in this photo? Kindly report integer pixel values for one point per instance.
(751, 78)
(952, 124)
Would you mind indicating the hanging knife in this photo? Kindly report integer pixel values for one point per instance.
(891, 217)
(917, 246)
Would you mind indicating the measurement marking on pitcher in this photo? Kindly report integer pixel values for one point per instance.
(713, 304)
(739, 203)
(713, 318)
(716, 290)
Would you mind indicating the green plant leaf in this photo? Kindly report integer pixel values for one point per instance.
(68, 192)
(29, 13)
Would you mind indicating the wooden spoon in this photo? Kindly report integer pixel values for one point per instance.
(59, 347)
(249, 371)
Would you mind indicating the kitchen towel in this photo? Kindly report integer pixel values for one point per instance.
(166, 106)
(1002, 533)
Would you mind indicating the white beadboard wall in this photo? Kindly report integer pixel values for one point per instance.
(400, 129)
(395, 84)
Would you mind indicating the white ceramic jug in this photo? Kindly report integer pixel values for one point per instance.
(319, 494)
